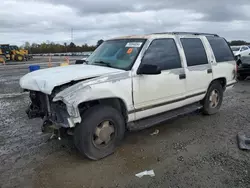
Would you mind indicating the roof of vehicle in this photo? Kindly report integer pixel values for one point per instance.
(146, 36)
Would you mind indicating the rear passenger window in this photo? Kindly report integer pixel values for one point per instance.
(163, 53)
(194, 51)
(244, 48)
(221, 49)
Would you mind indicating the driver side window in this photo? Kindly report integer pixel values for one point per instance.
(163, 53)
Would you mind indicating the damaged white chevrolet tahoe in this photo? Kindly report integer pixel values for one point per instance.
(132, 83)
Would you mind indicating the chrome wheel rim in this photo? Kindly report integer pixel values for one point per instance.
(104, 134)
(214, 99)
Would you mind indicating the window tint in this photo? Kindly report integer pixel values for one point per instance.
(194, 51)
(221, 49)
(164, 53)
(244, 48)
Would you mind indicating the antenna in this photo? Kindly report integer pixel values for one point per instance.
(72, 35)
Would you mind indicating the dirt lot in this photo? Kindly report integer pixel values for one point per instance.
(190, 151)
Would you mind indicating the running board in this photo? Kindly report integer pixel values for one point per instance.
(160, 118)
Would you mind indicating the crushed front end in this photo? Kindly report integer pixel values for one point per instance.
(54, 114)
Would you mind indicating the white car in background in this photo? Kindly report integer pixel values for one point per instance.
(240, 51)
(83, 60)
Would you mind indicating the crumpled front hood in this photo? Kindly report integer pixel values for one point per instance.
(45, 80)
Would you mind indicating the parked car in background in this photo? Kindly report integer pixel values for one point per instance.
(240, 51)
(131, 83)
(243, 67)
(83, 60)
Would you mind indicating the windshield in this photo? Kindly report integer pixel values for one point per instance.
(235, 48)
(245, 59)
(119, 53)
(13, 47)
(6, 47)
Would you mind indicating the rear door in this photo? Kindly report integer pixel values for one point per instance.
(198, 70)
(223, 65)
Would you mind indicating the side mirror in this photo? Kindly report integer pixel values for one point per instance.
(80, 61)
(148, 69)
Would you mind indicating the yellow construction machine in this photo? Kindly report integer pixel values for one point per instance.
(12, 52)
(4, 53)
(20, 52)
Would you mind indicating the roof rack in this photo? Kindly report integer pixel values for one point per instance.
(187, 33)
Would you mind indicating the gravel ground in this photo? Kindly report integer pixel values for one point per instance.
(190, 151)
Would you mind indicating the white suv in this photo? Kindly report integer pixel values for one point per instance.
(132, 83)
(240, 51)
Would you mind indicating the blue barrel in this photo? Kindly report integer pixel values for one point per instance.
(34, 67)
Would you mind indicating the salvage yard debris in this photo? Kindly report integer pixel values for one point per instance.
(156, 132)
(243, 141)
(146, 173)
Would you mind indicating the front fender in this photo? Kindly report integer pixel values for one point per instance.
(75, 95)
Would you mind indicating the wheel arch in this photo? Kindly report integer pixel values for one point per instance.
(221, 80)
(115, 102)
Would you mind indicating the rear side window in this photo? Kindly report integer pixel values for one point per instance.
(221, 49)
(244, 48)
(163, 53)
(194, 51)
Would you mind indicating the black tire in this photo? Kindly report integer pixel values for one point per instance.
(207, 109)
(2, 59)
(84, 132)
(19, 57)
(241, 77)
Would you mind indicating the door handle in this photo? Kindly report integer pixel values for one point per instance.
(209, 71)
(182, 76)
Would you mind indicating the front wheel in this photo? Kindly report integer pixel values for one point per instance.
(19, 57)
(100, 132)
(213, 99)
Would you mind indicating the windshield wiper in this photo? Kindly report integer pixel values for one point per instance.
(103, 63)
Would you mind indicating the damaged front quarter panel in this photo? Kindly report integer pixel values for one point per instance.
(97, 88)
(67, 95)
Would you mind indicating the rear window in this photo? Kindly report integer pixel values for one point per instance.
(221, 49)
(245, 59)
(194, 51)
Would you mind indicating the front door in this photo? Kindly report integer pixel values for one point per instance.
(157, 93)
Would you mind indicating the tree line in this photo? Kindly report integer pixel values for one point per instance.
(238, 43)
(51, 47)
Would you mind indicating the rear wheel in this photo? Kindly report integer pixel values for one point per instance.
(213, 99)
(19, 57)
(242, 77)
(100, 132)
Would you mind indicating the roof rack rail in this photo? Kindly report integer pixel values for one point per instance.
(187, 33)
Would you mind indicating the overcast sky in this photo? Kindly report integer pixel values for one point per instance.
(91, 20)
